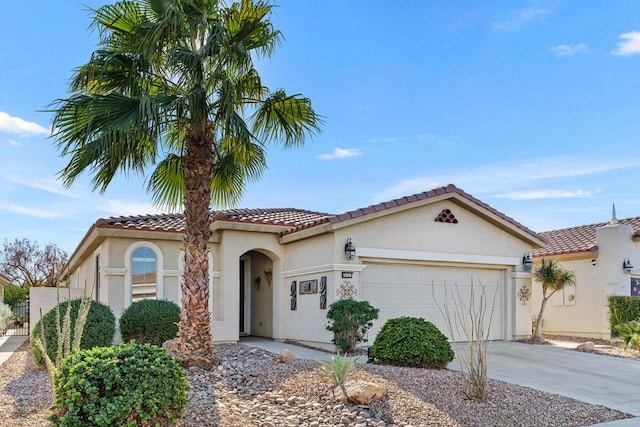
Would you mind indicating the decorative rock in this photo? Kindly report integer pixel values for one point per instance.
(285, 356)
(360, 392)
(587, 346)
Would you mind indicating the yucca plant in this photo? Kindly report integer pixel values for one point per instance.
(629, 334)
(340, 369)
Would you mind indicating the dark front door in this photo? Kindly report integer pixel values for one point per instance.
(242, 296)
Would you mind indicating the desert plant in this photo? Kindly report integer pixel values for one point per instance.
(468, 319)
(14, 294)
(98, 330)
(126, 385)
(622, 309)
(339, 369)
(552, 277)
(629, 334)
(150, 321)
(349, 320)
(6, 317)
(412, 341)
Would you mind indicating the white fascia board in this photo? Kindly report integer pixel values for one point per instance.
(324, 268)
(436, 256)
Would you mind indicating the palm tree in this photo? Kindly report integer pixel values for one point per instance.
(552, 277)
(172, 87)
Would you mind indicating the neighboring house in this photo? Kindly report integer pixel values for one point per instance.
(603, 257)
(4, 280)
(274, 272)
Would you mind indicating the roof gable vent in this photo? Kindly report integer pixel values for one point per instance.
(447, 216)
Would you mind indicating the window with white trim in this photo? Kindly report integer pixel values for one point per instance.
(144, 280)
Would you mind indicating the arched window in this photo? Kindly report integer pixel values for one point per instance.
(144, 280)
(144, 277)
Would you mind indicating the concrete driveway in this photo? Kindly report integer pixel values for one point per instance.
(609, 381)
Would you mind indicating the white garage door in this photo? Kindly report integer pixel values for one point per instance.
(412, 290)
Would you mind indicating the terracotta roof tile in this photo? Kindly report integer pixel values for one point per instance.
(577, 239)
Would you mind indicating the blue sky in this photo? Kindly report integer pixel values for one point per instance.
(531, 106)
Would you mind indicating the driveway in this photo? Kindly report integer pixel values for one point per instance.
(609, 381)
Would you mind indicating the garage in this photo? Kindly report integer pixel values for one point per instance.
(402, 289)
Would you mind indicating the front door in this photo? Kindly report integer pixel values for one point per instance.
(244, 300)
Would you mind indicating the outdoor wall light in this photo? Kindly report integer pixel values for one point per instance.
(349, 250)
(527, 262)
(626, 266)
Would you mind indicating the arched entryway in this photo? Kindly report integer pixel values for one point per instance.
(256, 295)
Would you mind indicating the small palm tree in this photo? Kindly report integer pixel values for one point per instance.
(552, 277)
(172, 87)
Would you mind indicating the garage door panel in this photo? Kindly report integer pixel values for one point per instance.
(421, 291)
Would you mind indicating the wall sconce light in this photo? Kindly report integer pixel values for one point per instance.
(349, 250)
(626, 266)
(527, 262)
(269, 275)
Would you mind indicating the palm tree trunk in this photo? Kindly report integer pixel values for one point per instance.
(194, 328)
(537, 335)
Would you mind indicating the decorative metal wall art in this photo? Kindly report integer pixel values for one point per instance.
(308, 287)
(294, 296)
(323, 293)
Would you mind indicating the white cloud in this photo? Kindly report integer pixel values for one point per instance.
(37, 213)
(15, 143)
(629, 44)
(19, 126)
(50, 185)
(520, 18)
(546, 194)
(567, 50)
(115, 207)
(341, 153)
(507, 177)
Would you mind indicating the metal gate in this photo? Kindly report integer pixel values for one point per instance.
(20, 322)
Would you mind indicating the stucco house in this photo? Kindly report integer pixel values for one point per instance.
(606, 260)
(4, 280)
(274, 272)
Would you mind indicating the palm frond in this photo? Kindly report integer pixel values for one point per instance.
(286, 119)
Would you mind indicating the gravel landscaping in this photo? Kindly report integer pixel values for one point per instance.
(248, 388)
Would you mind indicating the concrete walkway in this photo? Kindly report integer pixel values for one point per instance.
(608, 381)
(9, 344)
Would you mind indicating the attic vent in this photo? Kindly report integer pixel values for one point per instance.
(446, 216)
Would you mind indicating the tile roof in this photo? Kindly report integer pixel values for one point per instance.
(176, 222)
(413, 198)
(295, 219)
(578, 239)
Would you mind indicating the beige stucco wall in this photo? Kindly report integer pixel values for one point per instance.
(587, 314)
(261, 299)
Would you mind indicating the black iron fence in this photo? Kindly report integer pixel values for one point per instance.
(20, 322)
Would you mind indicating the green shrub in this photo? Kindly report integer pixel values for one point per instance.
(412, 341)
(349, 322)
(622, 309)
(99, 329)
(126, 385)
(6, 317)
(13, 295)
(629, 333)
(150, 321)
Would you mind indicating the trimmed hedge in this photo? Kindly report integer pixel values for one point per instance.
(412, 341)
(150, 321)
(99, 329)
(622, 309)
(126, 385)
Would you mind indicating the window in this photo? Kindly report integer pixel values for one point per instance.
(143, 274)
(97, 277)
